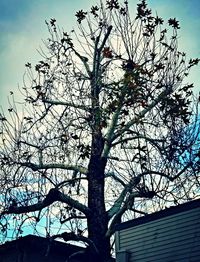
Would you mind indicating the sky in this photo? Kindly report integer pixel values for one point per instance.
(22, 29)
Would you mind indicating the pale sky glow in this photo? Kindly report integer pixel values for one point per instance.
(22, 28)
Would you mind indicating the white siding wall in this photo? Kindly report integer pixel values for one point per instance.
(175, 238)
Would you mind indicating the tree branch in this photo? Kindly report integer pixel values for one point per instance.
(181, 172)
(63, 103)
(74, 203)
(72, 217)
(166, 92)
(111, 129)
(84, 60)
(70, 181)
(150, 140)
(36, 167)
(118, 202)
(128, 204)
(152, 172)
(105, 38)
(53, 196)
(109, 135)
(112, 174)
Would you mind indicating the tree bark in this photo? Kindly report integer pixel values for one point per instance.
(98, 219)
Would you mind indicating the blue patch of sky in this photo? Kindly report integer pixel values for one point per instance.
(13, 10)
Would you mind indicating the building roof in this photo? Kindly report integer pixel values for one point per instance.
(38, 242)
(40, 245)
(50, 250)
(160, 214)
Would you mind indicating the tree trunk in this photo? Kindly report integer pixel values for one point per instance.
(98, 220)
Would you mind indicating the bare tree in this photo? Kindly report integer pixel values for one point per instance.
(109, 128)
